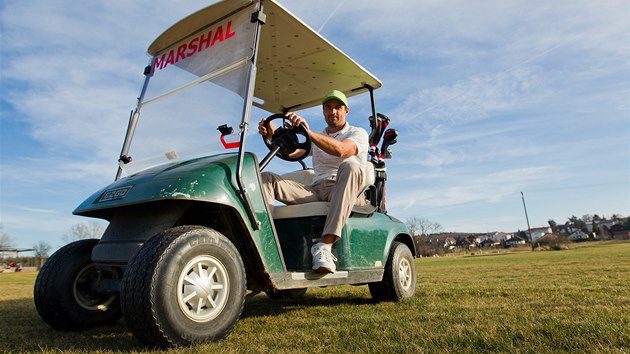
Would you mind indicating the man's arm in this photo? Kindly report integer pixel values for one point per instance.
(332, 146)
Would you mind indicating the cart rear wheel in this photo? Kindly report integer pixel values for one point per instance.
(399, 280)
(186, 285)
(66, 295)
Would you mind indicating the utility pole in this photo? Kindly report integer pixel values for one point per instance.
(529, 230)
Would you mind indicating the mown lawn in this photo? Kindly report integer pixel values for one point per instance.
(575, 300)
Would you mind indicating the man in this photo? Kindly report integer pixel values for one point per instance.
(339, 157)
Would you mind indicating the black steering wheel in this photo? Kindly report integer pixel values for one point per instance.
(286, 139)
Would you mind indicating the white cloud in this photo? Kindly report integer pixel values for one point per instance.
(79, 68)
(471, 99)
(490, 97)
(37, 210)
(467, 29)
(466, 188)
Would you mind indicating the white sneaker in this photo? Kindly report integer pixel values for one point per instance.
(323, 259)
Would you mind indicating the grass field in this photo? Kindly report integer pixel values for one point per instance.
(575, 300)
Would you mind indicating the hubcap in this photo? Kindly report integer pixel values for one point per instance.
(405, 273)
(203, 288)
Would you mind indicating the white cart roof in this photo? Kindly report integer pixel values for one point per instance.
(296, 66)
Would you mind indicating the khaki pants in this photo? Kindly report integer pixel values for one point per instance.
(343, 194)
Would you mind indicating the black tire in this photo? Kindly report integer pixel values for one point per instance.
(65, 290)
(399, 280)
(286, 294)
(165, 288)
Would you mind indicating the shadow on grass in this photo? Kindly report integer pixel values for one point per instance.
(262, 305)
(22, 330)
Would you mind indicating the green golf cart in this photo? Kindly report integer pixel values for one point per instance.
(189, 230)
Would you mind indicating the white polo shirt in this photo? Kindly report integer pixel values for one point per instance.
(326, 165)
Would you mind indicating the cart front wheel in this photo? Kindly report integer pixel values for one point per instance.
(185, 285)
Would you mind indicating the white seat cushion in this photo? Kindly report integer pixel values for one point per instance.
(370, 174)
(301, 210)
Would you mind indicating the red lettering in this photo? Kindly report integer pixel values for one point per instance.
(206, 41)
(157, 62)
(192, 47)
(228, 29)
(218, 35)
(170, 59)
(196, 45)
(181, 52)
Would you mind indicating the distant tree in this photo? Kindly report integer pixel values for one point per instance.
(83, 231)
(42, 248)
(553, 242)
(581, 225)
(435, 228)
(412, 226)
(577, 224)
(595, 226)
(587, 218)
(553, 224)
(6, 241)
(41, 252)
(420, 229)
(422, 226)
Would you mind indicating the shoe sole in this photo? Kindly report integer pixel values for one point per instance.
(323, 270)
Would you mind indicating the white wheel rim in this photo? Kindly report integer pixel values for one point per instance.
(203, 288)
(405, 273)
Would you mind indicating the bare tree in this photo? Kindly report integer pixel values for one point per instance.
(412, 225)
(41, 249)
(41, 252)
(6, 241)
(83, 231)
(422, 226)
(436, 227)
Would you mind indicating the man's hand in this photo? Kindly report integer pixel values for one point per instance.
(296, 120)
(293, 121)
(262, 129)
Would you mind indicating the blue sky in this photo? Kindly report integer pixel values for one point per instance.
(490, 98)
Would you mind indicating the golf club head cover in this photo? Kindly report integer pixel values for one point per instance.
(389, 138)
(378, 125)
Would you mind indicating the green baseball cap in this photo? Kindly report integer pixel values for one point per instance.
(336, 95)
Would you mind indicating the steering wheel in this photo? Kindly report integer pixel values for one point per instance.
(286, 138)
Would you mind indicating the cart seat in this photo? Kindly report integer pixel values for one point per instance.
(318, 208)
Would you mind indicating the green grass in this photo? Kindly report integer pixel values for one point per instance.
(575, 300)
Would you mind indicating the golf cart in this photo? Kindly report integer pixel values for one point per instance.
(189, 230)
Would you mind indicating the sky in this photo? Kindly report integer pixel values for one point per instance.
(491, 98)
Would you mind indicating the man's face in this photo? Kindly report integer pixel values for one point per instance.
(335, 113)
